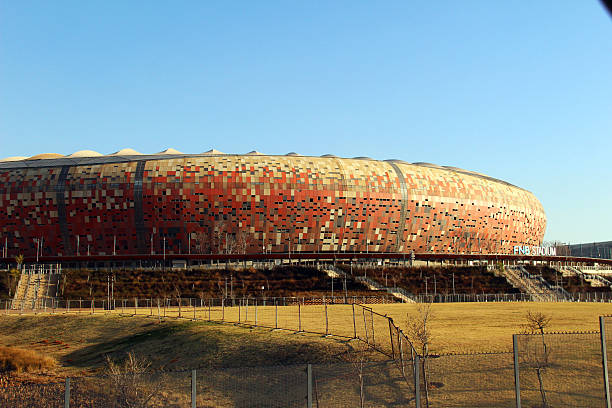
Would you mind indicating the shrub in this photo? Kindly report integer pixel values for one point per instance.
(22, 360)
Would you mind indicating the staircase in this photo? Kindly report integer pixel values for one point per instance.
(35, 291)
(594, 280)
(398, 293)
(537, 288)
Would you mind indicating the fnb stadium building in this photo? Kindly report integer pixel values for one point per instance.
(129, 203)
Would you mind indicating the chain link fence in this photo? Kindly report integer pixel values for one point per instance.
(552, 369)
(561, 369)
(474, 380)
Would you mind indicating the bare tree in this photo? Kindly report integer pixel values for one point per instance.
(419, 334)
(177, 294)
(66, 273)
(200, 241)
(218, 235)
(19, 260)
(230, 244)
(129, 381)
(536, 323)
(242, 242)
(561, 247)
(357, 356)
(14, 276)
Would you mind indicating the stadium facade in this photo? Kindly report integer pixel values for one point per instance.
(128, 203)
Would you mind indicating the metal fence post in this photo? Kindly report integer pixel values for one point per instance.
(391, 337)
(67, 393)
(275, 314)
(222, 309)
(604, 358)
(299, 316)
(193, 389)
(401, 355)
(417, 382)
(309, 395)
(354, 324)
(365, 326)
(517, 383)
(326, 321)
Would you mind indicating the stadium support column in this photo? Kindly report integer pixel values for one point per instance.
(138, 209)
(402, 221)
(60, 189)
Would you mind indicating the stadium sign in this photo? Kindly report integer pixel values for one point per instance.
(535, 250)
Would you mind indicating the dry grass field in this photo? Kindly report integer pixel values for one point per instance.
(455, 327)
(461, 327)
(79, 341)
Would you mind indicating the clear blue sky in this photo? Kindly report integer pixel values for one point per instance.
(517, 90)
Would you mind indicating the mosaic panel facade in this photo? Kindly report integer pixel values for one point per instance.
(251, 204)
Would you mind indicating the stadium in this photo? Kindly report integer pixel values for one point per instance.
(127, 203)
(345, 253)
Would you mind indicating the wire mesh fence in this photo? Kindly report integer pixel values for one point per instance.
(475, 380)
(52, 305)
(561, 369)
(344, 384)
(359, 383)
(554, 369)
(278, 386)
